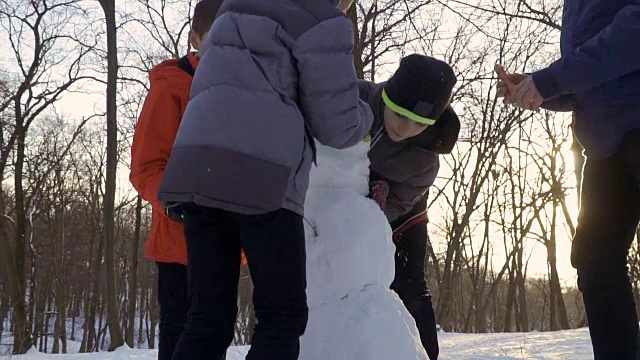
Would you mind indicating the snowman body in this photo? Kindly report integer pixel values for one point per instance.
(353, 315)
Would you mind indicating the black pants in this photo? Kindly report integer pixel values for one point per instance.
(174, 304)
(607, 223)
(411, 286)
(274, 245)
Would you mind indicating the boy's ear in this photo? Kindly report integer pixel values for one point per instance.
(344, 5)
(195, 40)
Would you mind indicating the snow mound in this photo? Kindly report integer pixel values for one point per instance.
(350, 267)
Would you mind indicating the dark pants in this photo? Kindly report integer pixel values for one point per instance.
(274, 245)
(174, 304)
(607, 224)
(411, 286)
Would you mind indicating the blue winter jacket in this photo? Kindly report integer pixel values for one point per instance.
(598, 74)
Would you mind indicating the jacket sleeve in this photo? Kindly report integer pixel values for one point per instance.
(404, 195)
(153, 140)
(562, 103)
(365, 88)
(328, 88)
(612, 53)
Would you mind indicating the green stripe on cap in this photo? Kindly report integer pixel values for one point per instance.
(404, 112)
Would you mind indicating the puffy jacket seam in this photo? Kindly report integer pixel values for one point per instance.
(200, 146)
(210, 87)
(334, 51)
(345, 89)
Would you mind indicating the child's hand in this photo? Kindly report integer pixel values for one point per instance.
(379, 191)
(174, 212)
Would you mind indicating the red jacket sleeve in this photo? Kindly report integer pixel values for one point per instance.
(153, 140)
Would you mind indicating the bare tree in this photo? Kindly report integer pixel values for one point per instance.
(164, 24)
(115, 332)
(133, 274)
(35, 31)
(546, 12)
(477, 169)
(48, 184)
(385, 28)
(550, 163)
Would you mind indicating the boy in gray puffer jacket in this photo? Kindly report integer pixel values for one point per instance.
(274, 75)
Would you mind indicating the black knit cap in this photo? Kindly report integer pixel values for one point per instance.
(420, 89)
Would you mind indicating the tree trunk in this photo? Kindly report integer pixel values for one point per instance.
(92, 281)
(480, 318)
(94, 298)
(358, 50)
(4, 303)
(147, 321)
(557, 308)
(7, 266)
(60, 331)
(153, 314)
(22, 333)
(19, 311)
(85, 345)
(554, 282)
(115, 332)
(544, 306)
(34, 296)
(142, 311)
(73, 327)
(133, 274)
(449, 277)
(38, 306)
(47, 319)
(523, 314)
(102, 329)
(511, 294)
(553, 316)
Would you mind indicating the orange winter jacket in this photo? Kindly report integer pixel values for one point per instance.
(152, 143)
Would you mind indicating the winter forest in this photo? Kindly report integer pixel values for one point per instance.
(73, 76)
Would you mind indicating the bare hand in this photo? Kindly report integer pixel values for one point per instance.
(526, 95)
(508, 82)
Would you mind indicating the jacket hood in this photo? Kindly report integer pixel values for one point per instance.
(168, 70)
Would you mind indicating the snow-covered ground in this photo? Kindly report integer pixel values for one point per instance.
(565, 345)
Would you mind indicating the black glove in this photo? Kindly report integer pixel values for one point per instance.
(174, 212)
(379, 191)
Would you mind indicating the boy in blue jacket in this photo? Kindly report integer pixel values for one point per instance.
(598, 78)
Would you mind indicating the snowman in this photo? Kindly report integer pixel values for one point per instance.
(350, 266)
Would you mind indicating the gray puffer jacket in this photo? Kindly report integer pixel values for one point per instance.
(273, 76)
(410, 167)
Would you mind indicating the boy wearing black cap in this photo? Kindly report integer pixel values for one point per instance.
(413, 125)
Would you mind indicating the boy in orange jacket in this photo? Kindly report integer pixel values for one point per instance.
(152, 143)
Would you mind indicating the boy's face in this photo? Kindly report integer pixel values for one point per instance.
(399, 127)
(197, 41)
